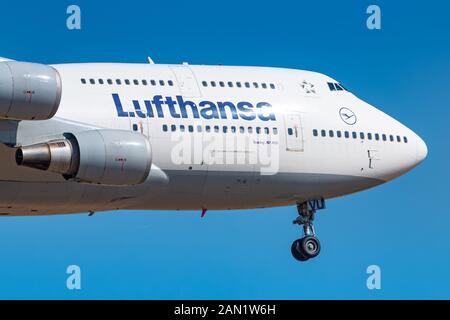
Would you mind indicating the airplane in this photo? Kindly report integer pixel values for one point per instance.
(90, 137)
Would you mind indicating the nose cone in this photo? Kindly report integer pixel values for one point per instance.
(421, 150)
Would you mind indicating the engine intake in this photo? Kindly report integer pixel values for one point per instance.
(109, 157)
(28, 91)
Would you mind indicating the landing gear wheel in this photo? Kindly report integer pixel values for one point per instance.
(310, 246)
(296, 250)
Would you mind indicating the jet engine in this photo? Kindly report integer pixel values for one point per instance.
(28, 91)
(108, 157)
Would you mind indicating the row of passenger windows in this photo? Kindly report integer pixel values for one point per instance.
(274, 131)
(238, 84)
(360, 135)
(170, 83)
(217, 129)
(128, 82)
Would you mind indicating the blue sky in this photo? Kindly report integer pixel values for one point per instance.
(402, 226)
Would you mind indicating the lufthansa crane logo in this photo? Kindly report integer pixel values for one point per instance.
(348, 116)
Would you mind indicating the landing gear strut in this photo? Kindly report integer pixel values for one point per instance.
(309, 246)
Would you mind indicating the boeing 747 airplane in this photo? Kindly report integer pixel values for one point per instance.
(109, 136)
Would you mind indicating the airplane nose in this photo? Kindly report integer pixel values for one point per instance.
(421, 150)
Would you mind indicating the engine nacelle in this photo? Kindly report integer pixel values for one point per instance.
(28, 91)
(109, 157)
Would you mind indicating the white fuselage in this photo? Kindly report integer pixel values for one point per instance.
(221, 138)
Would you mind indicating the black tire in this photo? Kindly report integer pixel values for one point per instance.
(296, 250)
(310, 246)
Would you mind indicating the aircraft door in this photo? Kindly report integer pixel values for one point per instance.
(140, 125)
(186, 81)
(293, 132)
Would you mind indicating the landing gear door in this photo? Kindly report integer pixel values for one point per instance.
(186, 81)
(293, 132)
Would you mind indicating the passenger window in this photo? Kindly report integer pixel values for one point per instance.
(127, 82)
(250, 130)
(182, 128)
(144, 82)
(354, 135)
(191, 128)
(384, 137)
(264, 86)
(164, 127)
(216, 128)
(208, 129)
(173, 128)
(92, 81)
(153, 82)
(135, 127)
(118, 82)
(255, 84)
(398, 139)
(346, 134)
(230, 84)
(377, 136)
(233, 129)
(170, 82)
(110, 81)
(266, 130)
(247, 85)
(204, 83)
(272, 86)
(290, 132)
(100, 81)
(222, 84)
(323, 133)
(339, 134)
(258, 130)
(391, 138)
(83, 81)
(225, 129)
(315, 133)
(275, 131)
(213, 84)
(238, 84)
(136, 82)
(331, 133)
(361, 135)
(199, 128)
(241, 129)
(369, 136)
(405, 139)
(161, 83)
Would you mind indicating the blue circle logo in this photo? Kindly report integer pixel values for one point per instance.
(348, 116)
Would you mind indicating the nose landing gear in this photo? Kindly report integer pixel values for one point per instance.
(309, 246)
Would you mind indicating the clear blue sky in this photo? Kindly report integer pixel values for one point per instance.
(403, 226)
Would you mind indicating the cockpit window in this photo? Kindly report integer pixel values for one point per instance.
(334, 86)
